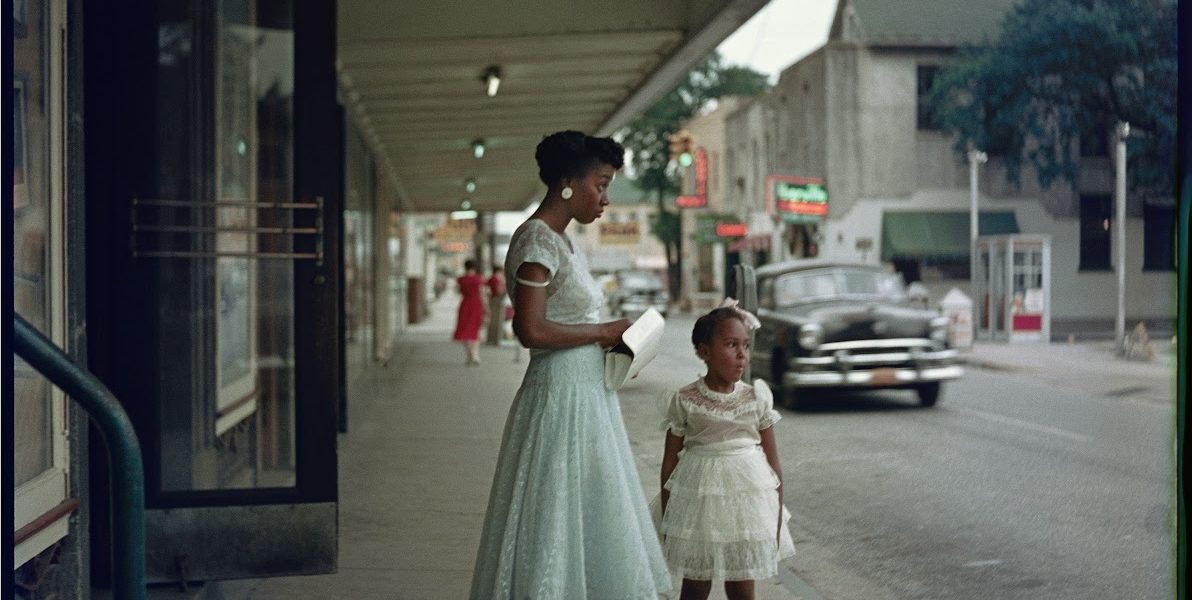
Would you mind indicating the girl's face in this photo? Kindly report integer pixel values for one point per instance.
(727, 353)
(590, 194)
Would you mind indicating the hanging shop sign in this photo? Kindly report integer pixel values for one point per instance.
(797, 199)
(628, 233)
(462, 230)
(700, 199)
(712, 229)
(730, 229)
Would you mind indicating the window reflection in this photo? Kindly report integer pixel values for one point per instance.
(227, 414)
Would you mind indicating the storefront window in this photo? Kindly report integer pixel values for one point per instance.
(38, 409)
(227, 370)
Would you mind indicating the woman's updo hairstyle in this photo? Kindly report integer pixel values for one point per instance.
(571, 154)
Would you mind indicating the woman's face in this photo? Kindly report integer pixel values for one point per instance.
(590, 194)
(727, 353)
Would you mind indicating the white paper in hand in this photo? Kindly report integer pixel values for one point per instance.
(639, 345)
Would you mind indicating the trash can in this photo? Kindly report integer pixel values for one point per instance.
(958, 307)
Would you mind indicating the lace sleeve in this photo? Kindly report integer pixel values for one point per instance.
(674, 418)
(767, 416)
(536, 245)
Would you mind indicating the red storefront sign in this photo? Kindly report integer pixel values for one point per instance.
(730, 229)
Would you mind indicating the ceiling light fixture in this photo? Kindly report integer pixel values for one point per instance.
(470, 185)
(492, 79)
(465, 205)
(478, 148)
(461, 215)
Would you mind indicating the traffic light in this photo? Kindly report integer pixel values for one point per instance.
(681, 144)
(675, 142)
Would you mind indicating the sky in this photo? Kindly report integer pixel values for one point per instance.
(781, 33)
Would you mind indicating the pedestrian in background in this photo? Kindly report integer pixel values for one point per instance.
(566, 517)
(720, 512)
(471, 312)
(496, 305)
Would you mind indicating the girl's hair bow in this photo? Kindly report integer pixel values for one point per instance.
(750, 320)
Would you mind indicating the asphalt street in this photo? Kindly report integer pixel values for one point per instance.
(1015, 486)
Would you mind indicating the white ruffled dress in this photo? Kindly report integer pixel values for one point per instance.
(722, 516)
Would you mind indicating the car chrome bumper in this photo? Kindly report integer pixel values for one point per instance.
(884, 363)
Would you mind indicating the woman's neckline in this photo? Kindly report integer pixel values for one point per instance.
(567, 240)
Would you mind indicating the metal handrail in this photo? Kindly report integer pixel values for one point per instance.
(124, 450)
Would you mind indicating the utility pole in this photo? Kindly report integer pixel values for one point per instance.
(1122, 131)
(975, 158)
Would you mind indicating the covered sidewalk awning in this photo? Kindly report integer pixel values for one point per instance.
(937, 234)
(412, 77)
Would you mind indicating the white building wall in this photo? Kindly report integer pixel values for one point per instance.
(863, 140)
(1075, 294)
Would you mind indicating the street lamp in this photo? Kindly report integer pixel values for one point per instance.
(1121, 132)
(975, 158)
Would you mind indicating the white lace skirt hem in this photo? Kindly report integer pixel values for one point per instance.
(722, 518)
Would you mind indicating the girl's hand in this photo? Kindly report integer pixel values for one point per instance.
(610, 332)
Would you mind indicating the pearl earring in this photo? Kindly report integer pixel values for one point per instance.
(566, 193)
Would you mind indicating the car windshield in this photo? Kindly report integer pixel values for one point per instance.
(638, 280)
(835, 283)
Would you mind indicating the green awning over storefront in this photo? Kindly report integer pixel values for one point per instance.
(932, 234)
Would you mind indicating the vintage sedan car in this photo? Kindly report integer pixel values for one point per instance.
(635, 291)
(838, 325)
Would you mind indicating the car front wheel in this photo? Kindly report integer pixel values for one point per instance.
(929, 393)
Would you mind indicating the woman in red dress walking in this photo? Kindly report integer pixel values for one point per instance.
(471, 312)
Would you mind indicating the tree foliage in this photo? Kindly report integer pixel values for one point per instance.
(647, 137)
(1061, 70)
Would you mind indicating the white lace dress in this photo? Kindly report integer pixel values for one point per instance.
(722, 516)
(567, 516)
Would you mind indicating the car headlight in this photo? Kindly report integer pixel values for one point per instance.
(810, 336)
(938, 329)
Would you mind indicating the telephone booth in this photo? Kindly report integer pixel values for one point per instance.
(1012, 288)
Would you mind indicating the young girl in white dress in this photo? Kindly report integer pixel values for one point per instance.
(720, 513)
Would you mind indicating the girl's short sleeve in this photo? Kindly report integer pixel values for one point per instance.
(767, 416)
(674, 417)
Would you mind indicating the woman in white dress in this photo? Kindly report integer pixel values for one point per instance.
(567, 516)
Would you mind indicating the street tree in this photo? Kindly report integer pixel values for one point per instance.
(647, 138)
(1061, 71)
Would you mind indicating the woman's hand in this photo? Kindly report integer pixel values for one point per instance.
(610, 332)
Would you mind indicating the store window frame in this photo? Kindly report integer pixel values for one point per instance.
(46, 494)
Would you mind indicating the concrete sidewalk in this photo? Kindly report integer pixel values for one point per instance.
(1090, 366)
(415, 470)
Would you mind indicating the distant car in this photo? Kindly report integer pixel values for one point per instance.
(836, 325)
(636, 291)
